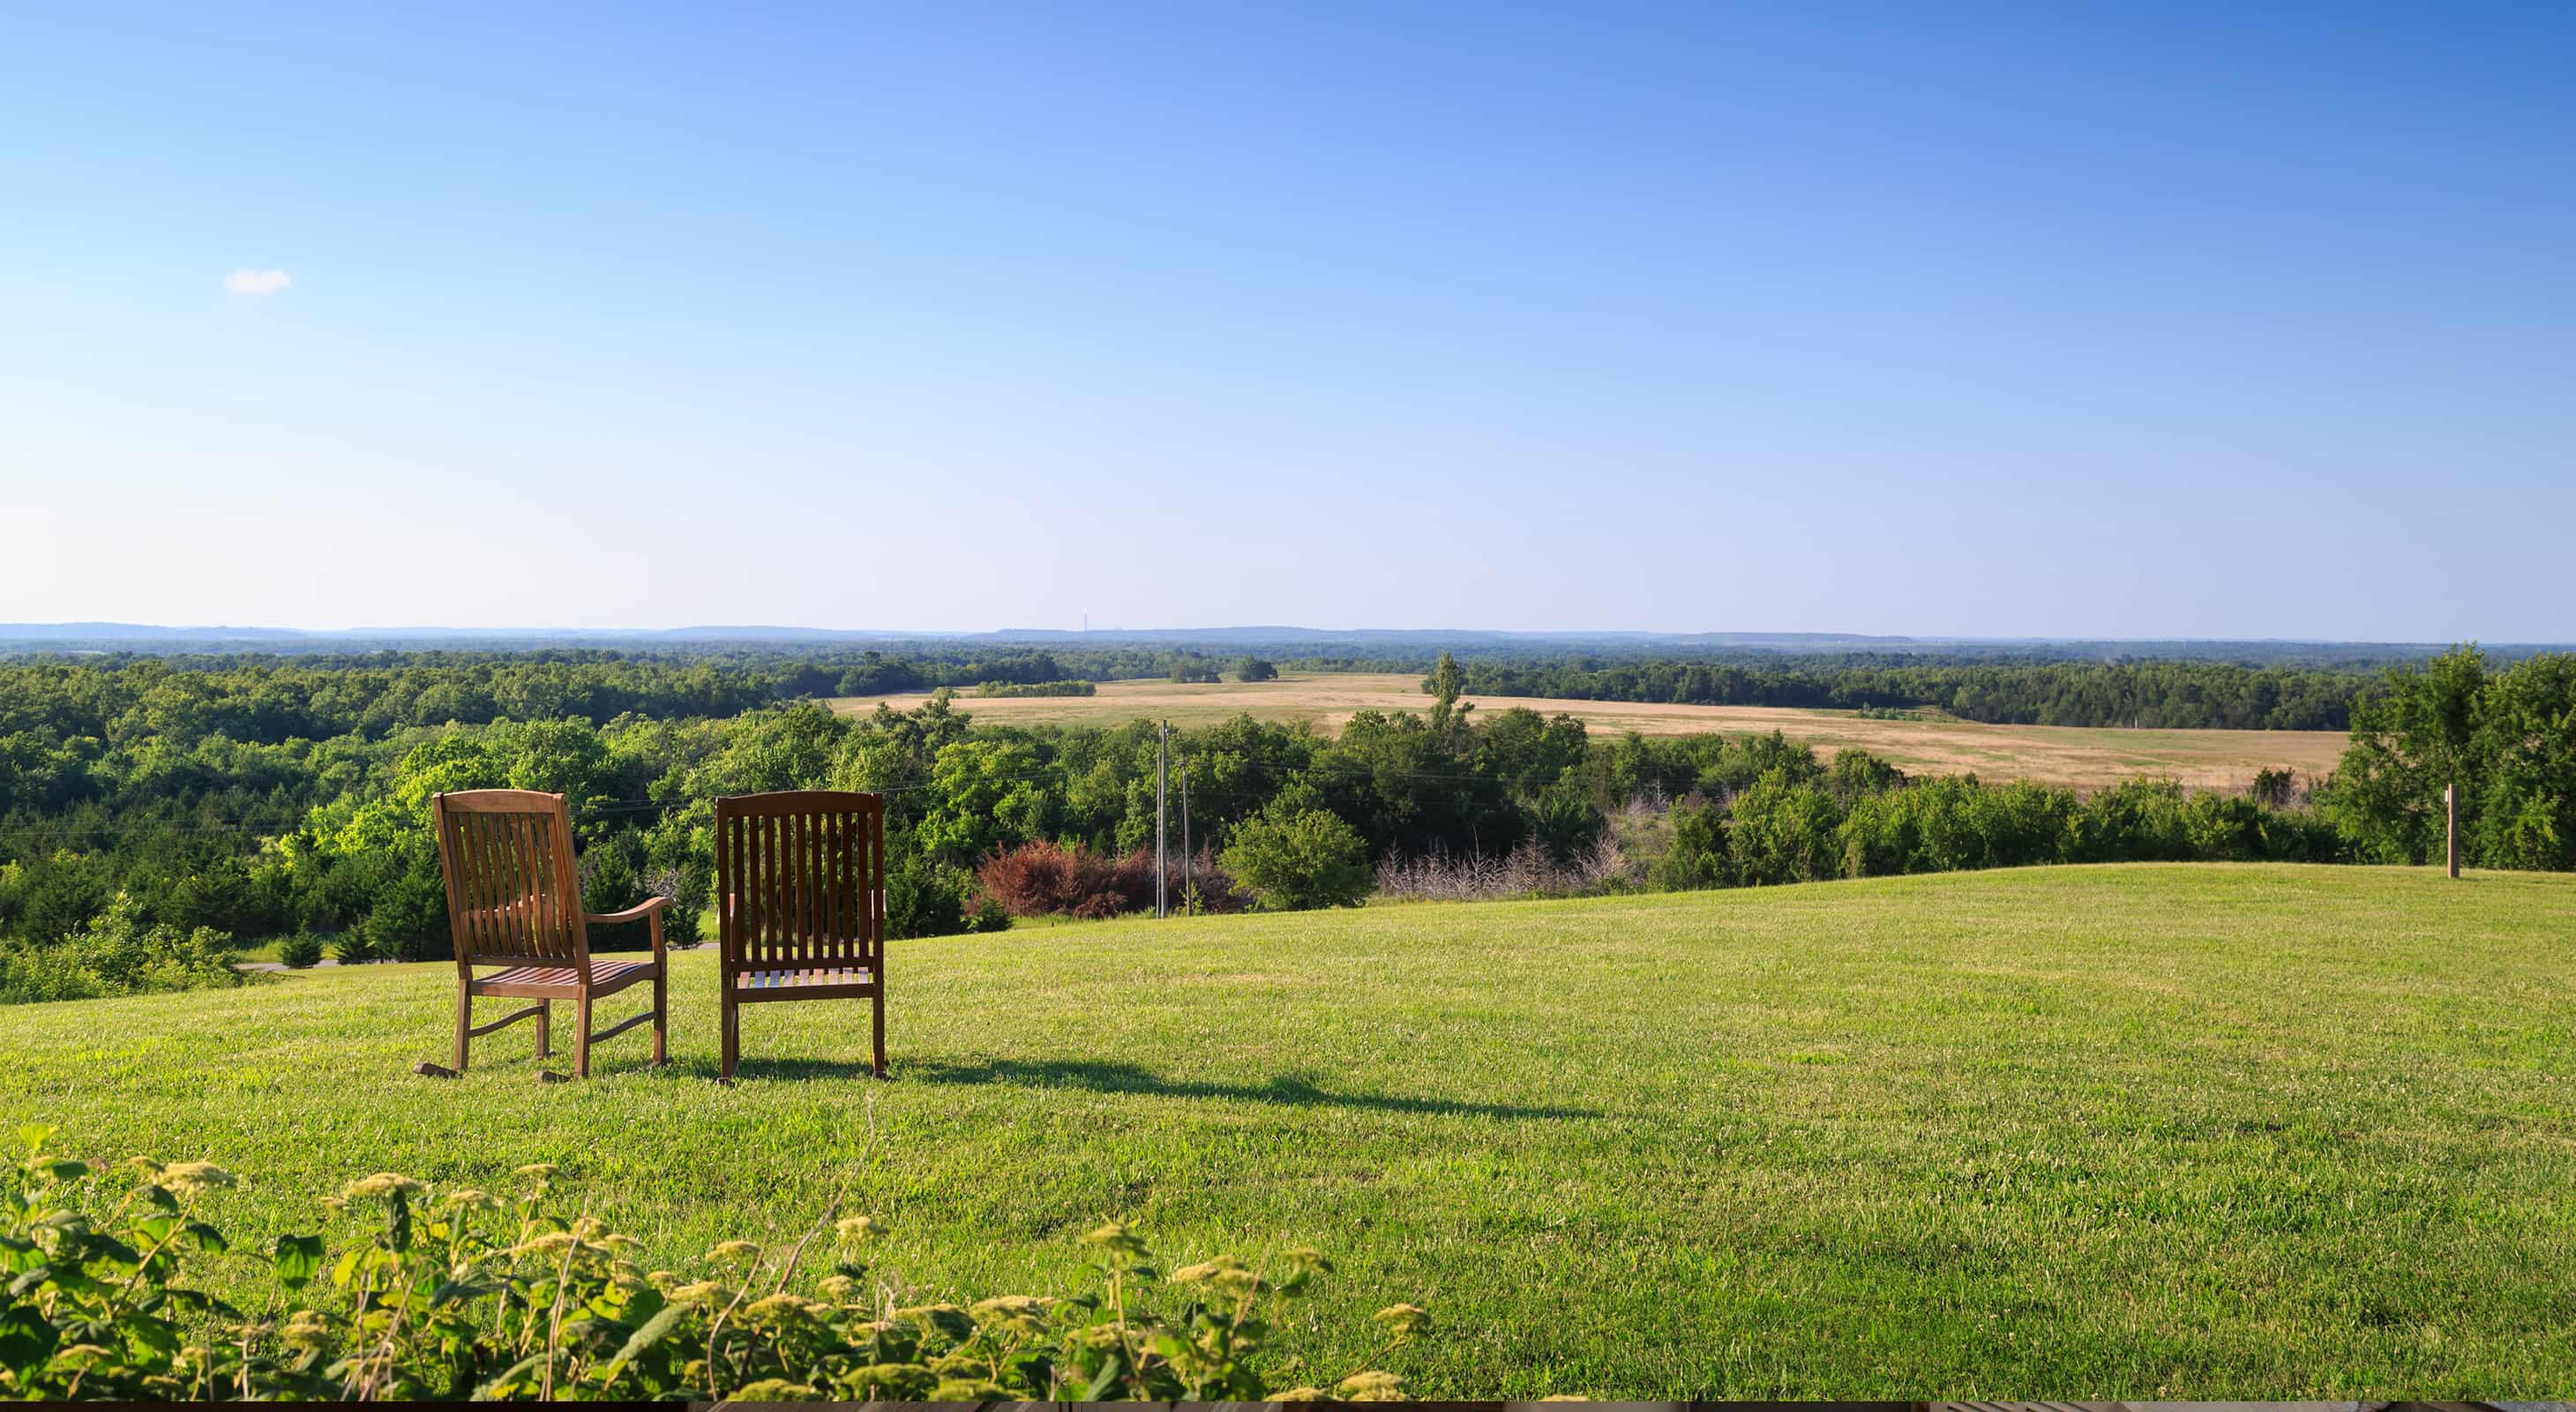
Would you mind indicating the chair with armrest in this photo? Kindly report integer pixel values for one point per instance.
(514, 902)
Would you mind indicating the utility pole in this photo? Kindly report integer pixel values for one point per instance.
(2451, 828)
(1186, 880)
(1162, 780)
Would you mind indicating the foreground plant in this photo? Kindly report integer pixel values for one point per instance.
(466, 1294)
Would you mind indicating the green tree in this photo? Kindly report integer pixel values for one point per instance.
(1697, 855)
(1256, 669)
(1783, 832)
(2526, 749)
(985, 796)
(1448, 718)
(1300, 859)
(2411, 740)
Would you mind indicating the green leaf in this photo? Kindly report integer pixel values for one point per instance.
(347, 1269)
(295, 1258)
(1104, 1387)
(26, 1338)
(473, 1286)
(34, 1135)
(519, 1374)
(148, 1332)
(206, 1236)
(68, 1170)
(652, 1333)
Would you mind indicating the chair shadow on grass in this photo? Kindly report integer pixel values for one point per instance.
(1101, 1076)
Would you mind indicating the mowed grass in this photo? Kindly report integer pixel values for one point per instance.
(2079, 756)
(2116, 1132)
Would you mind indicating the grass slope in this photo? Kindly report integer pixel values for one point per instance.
(2082, 756)
(2131, 1131)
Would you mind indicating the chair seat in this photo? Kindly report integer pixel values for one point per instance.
(606, 977)
(785, 983)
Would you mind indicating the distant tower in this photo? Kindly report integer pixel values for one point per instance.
(1086, 620)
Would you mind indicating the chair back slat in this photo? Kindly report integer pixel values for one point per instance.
(512, 893)
(800, 880)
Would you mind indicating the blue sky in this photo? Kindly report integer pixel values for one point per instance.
(2032, 319)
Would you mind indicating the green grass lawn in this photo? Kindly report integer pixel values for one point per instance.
(2141, 1131)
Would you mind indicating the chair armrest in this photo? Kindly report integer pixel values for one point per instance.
(650, 906)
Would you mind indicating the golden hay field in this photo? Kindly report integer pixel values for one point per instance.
(2080, 756)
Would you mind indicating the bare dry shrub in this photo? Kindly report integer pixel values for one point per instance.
(1526, 871)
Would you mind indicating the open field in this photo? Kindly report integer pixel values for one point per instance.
(2154, 1130)
(2079, 756)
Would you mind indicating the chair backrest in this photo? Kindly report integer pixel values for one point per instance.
(512, 893)
(800, 880)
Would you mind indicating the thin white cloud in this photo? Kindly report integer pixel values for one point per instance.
(256, 281)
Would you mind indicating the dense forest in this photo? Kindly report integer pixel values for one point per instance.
(155, 813)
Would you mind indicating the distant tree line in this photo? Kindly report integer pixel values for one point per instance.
(271, 699)
(1036, 688)
(2191, 695)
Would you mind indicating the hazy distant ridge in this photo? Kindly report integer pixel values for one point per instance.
(136, 636)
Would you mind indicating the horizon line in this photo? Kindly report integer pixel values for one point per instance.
(142, 632)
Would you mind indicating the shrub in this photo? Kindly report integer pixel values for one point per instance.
(1697, 855)
(1566, 822)
(1857, 773)
(1044, 879)
(1204, 887)
(300, 952)
(1291, 861)
(351, 947)
(409, 922)
(680, 920)
(2274, 789)
(460, 1293)
(1040, 878)
(929, 898)
(1937, 826)
(2140, 820)
(1256, 669)
(1784, 832)
(1529, 870)
(116, 955)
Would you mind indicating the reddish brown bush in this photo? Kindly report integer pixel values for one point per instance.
(1045, 879)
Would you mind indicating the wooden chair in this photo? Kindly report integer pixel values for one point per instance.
(800, 879)
(514, 901)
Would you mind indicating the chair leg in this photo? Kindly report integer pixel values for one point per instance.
(877, 1001)
(545, 1029)
(731, 1041)
(581, 1040)
(464, 1021)
(661, 1016)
